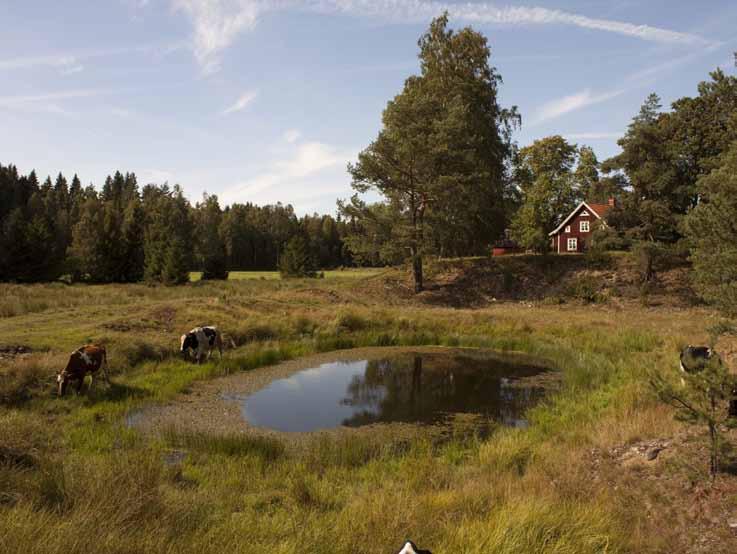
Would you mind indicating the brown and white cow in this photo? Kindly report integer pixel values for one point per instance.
(201, 341)
(87, 360)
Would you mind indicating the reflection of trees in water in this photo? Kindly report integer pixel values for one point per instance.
(424, 388)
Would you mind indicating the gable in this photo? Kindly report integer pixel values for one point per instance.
(581, 209)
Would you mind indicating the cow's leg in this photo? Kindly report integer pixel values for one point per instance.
(105, 375)
(92, 382)
(80, 382)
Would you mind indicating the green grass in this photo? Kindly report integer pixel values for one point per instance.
(75, 478)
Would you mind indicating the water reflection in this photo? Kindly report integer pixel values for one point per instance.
(416, 388)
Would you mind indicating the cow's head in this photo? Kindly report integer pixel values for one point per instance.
(61, 383)
(186, 342)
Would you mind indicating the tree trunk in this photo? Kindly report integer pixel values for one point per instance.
(417, 269)
(714, 462)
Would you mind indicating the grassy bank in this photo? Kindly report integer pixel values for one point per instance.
(74, 478)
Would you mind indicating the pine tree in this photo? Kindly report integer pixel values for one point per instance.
(296, 260)
(712, 235)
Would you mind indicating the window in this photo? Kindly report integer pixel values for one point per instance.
(568, 228)
(584, 214)
(584, 226)
(572, 245)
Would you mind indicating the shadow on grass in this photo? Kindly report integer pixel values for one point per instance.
(117, 392)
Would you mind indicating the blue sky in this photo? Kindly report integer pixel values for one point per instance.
(267, 100)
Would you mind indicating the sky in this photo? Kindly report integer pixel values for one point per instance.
(268, 100)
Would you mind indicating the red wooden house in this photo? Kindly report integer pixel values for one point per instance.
(574, 233)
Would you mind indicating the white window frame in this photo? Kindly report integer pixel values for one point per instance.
(572, 241)
(584, 213)
(584, 226)
(568, 229)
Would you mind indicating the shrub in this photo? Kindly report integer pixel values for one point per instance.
(586, 289)
(349, 322)
(252, 333)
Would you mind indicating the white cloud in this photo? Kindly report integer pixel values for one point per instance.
(560, 106)
(217, 23)
(243, 101)
(285, 179)
(65, 64)
(292, 135)
(45, 102)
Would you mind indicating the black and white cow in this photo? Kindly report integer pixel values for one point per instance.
(695, 358)
(200, 342)
(411, 548)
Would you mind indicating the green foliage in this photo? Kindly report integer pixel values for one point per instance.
(296, 260)
(664, 154)
(700, 399)
(544, 173)
(211, 251)
(439, 160)
(712, 235)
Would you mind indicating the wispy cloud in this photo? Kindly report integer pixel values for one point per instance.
(217, 23)
(65, 64)
(68, 63)
(560, 106)
(47, 102)
(288, 177)
(243, 101)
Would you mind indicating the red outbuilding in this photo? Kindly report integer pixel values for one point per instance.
(574, 233)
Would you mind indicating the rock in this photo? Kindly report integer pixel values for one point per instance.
(652, 454)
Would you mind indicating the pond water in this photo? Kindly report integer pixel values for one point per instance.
(411, 388)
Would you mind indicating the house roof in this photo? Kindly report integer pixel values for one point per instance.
(599, 210)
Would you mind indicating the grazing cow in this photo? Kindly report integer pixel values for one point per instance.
(88, 359)
(201, 341)
(695, 358)
(411, 548)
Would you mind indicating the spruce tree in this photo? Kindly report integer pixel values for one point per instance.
(296, 260)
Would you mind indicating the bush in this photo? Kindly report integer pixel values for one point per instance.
(350, 322)
(252, 333)
(586, 289)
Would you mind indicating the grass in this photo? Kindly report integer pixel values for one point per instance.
(74, 478)
(349, 273)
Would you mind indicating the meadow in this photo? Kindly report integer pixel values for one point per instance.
(75, 478)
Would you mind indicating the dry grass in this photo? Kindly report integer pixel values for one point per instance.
(73, 478)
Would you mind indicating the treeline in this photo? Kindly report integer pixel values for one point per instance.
(123, 233)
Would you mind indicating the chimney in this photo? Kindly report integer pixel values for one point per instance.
(612, 201)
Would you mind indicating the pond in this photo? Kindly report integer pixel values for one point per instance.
(410, 387)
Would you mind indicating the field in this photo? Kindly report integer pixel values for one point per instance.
(75, 478)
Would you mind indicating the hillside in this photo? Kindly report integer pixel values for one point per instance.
(480, 282)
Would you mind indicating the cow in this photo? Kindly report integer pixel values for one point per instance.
(695, 358)
(201, 341)
(411, 548)
(88, 359)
